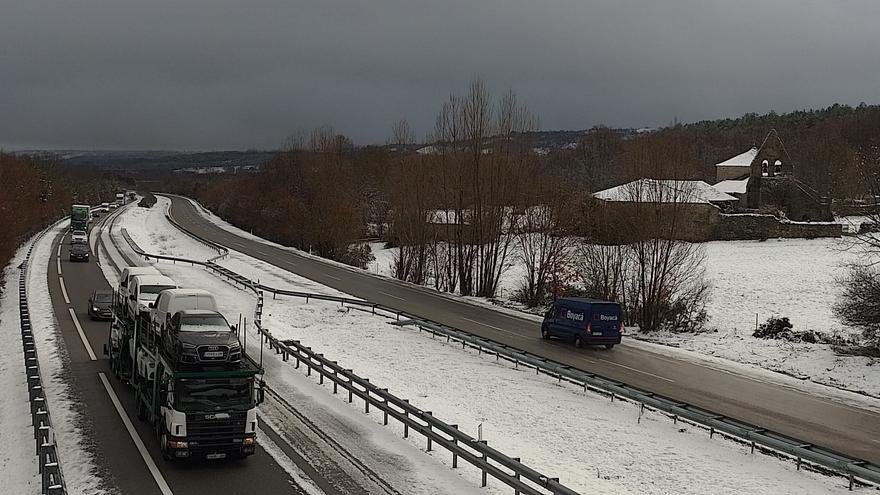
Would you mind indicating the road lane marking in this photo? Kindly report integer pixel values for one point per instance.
(82, 335)
(391, 295)
(63, 290)
(264, 253)
(637, 371)
(59, 250)
(334, 278)
(494, 327)
(59, 266)
(148, 460)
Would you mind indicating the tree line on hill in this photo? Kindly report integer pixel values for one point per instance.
(36, 192)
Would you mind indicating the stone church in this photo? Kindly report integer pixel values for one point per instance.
(772, 184)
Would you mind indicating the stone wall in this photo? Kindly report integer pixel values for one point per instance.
(748, 226)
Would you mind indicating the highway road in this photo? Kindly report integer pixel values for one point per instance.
(107, 405)
(818, 420)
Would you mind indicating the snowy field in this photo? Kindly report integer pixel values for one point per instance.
(556, 429)
(794, 278)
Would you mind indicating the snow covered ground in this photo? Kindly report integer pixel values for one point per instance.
(77, 463)
(382, 448)
(593, 445)
(794, 278)
(18, 463)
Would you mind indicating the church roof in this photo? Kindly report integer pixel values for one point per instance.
(741, 160)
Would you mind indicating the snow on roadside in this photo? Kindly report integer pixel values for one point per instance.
(18, 463)
(781, 277)
(638, 455)
(556, 429)
(377, 446)
(77, 463)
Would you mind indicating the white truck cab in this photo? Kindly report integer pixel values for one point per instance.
(171, 301)
(143, 290)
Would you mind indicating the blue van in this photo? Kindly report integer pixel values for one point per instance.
(583, 321)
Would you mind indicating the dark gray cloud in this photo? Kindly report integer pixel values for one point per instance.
(221, 74)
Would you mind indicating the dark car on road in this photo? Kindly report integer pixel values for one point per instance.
(201, 337)
(583, 321)
(101, 305)
(79, 252)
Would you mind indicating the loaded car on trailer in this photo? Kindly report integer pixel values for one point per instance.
(197, 409)
(583, 321)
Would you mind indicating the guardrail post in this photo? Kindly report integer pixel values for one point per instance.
(384, 409)
(350, 385)
(484, 442)
(454, 454)
(430, 429)
(405, 424)
(516, 476)
(367, 398)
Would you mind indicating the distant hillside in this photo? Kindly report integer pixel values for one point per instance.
(124, 161)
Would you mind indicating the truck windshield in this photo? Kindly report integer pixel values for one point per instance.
(195, 395)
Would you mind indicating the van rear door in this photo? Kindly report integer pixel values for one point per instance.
(605, 319)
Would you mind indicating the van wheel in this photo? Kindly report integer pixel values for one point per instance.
(545, 333)
(578, 341)
(609, 346)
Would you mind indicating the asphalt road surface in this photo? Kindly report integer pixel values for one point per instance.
(817, 420)
(124, 467)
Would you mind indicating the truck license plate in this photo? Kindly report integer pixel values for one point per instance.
(216, 455)
(214, 354)
(597, 333)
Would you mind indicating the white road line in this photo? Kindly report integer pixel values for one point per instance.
(264, 253)
(148, 460)
(334, 278)
(391, 295)
(63, 290)
(82, 335)
(493, 326)
(59, 250)
(59, 265)
(638, 371)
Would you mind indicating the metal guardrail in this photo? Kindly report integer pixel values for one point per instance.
(756, 437)
(488, 460)
(51, 478)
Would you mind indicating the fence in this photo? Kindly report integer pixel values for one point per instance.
(756, 437)
(51, 479)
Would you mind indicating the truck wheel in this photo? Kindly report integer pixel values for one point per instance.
(545, 333)
(578, 341)
(163, 446)
(609, 346)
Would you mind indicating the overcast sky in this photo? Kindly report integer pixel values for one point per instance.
(220, 74)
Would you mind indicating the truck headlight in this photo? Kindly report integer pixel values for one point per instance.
(184, 345)
(175, 444)
(248, 440)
